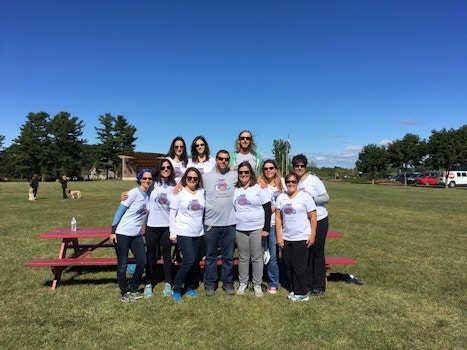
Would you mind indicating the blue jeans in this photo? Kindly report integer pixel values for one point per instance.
(223, 237)
(189, 247)
(122, 247)
(270, 242)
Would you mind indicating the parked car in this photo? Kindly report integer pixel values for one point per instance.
(399, 178)
(411, 178)
(427, 180)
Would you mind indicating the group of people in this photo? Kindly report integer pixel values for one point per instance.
(203, 204)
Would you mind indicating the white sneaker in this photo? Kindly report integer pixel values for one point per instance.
(258, 291)
(291, 295)
(242, 288)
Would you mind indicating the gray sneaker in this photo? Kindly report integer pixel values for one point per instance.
(127, 298)
(136, 295)
(229, 289)
(209, 290)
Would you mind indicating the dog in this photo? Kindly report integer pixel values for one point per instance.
(31, 195)
(75, 193)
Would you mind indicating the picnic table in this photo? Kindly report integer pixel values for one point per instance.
(85, 241)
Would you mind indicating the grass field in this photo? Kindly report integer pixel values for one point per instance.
(410, 244)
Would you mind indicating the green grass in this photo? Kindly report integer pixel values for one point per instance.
(410, 244)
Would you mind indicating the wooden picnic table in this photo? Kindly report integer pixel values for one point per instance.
(95, 238)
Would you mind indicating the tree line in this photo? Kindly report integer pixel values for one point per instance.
(53, 146)
(443, 150)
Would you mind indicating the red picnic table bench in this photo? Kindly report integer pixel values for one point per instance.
(82, 251)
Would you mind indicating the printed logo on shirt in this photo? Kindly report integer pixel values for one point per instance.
(178, 171)
(143, 210)
(194, 205)
(162, 199)
(221, 186)
(288, 209)
(242, 200)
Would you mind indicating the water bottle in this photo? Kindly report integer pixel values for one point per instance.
(73, 224)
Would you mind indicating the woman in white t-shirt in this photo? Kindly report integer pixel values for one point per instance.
(296, 232)
(186, 229)
(178, 157)
(253, 216)
(127, 234)
(200, 156)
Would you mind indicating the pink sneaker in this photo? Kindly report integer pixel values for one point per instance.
(272, 290)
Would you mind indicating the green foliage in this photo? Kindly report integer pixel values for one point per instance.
(373, 160)
(410, 245)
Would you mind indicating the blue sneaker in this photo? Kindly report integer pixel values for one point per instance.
(177, 297)
(167, 290)
(191, 293)
(148, 291)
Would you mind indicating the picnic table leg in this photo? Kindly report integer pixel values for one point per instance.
(57, 272)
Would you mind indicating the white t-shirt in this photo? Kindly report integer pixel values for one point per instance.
(159, 202)
(248, 204)
(132, 220)
(296, 224)
(186, 214)
(205, 167)
(313, 185)
(179, 169)
(274, 193)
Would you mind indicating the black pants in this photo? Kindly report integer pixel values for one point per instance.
(295, 255)
(316, 265)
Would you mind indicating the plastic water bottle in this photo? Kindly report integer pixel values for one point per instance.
(73, 224)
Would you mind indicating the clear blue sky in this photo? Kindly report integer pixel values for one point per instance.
(334, 75)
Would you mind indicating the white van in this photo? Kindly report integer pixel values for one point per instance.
(455, 178)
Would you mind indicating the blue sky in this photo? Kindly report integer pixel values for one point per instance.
(333, 75)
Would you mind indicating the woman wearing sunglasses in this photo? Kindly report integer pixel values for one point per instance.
(157, 228)
(127, 234)
(200, 156)
(245, 150)
(178, 156)
(253, 215)
(271, 175)
(186, 229)
(296, 232)
(316, 261)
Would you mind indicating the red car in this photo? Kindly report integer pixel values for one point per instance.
(427, 180)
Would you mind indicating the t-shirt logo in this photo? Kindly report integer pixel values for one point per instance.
(242, 200)
(162, 199)
(221, 186)
(288, 209)
(194, 205)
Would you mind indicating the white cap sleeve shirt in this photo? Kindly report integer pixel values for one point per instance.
(314, 186)
(205, 167)
(248, 204)
(189, 214)
(159, 202)
(296, 224)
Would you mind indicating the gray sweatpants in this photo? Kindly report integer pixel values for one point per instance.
(250, 247)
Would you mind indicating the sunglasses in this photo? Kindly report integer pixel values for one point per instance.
(200, 145)
(166, 167)
(192, 178)
(299, 166)
(179, 147)
(223, 159)
(246, 172)
(291, 182)
(146, 178)
(248, 138)
(270, 168)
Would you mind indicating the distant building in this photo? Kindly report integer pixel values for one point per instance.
(137, 161)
